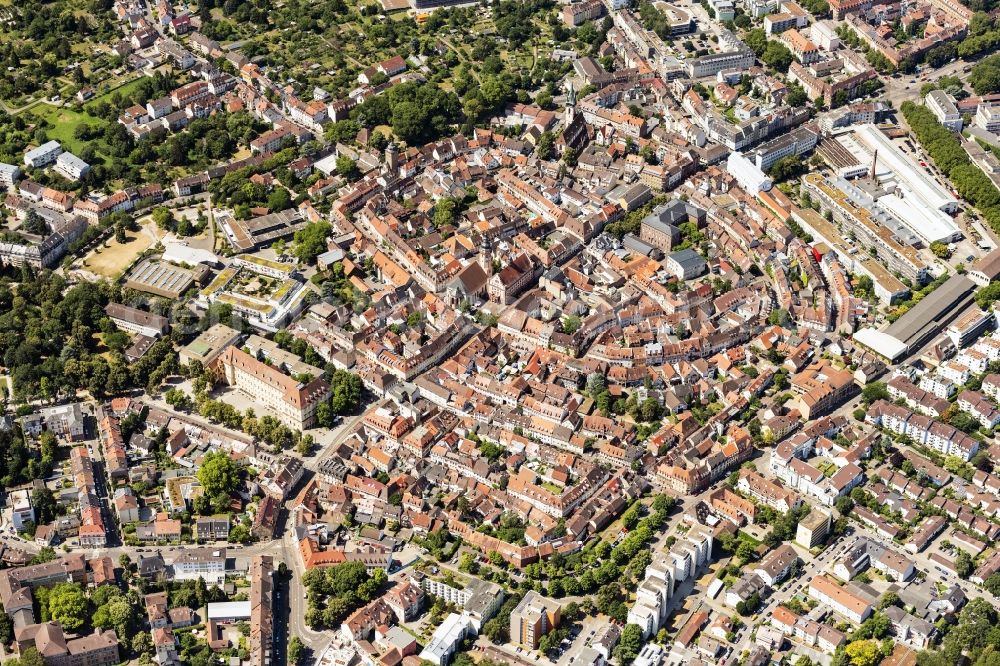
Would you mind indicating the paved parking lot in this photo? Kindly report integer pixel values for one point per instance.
(588, 628)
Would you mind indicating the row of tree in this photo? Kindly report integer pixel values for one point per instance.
(983, 37)
(985, 75)
(945, 148)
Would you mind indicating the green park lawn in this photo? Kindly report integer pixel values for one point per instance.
(123, 89)
(63, 121)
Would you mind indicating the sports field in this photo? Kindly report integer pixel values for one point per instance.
(112, 258)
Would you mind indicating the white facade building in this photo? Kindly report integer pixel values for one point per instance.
(71, 167)
(479, 599)
(207, 563)
(447, 638)
(664, 573)
(21, 510)
(843, 600)
(941, 437)
(747, 174)
(988, 117)
(824, 36)
(43, 155)
(9, 175)
(939, 386)
(944, 109)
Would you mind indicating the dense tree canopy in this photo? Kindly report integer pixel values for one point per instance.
(218, 474)
(985, 75)
(983, 37)
(629, 644)
(310, 241)
(417, 112)
(334, 592)
(346, 390)
(68, 605)
(114, 610)
(47, 339)
(976, 638)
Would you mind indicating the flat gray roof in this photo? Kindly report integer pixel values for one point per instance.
(934, 312)
(687, 258)
(632, 242)
(942, 99)
(160, 278)
(46, 147)
(228, 609)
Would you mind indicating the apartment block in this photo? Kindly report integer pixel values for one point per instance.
(651, 608)
(9, 174)
(764, 490)
(71, 167)
(97, 649)
(988, 117)
(581, 12)
(819, 388)
(43, 155)
(261, 609)
(813, 528)
(942, 437)
(776, 565)
(533, 617)
(207, 563)
(944, 109)
(843, 600)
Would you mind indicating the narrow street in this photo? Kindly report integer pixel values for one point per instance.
(297, 626)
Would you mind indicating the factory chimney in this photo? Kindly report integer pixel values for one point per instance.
(874, 162)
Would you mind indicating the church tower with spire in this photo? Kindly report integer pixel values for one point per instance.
(570, 104)
(485, 257)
